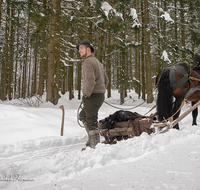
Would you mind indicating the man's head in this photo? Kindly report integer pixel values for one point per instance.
(85, 48)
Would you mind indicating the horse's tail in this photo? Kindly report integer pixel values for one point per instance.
(165, 97)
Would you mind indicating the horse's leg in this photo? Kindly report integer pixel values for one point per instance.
(177, 105)
(194, 115)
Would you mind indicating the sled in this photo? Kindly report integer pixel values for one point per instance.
(126, 129)
(132, 128)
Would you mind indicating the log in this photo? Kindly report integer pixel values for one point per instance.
(121, 132)
(126, 129)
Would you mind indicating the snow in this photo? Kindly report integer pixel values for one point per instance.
(34, 155)
(106, 7)
(42, 14)
(167, 17)
(165, 56)
(133, 13)
(135, 18)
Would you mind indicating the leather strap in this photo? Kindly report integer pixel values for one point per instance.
(191, 91)
(173, 83)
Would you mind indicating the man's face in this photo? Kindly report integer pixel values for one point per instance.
(83, 51)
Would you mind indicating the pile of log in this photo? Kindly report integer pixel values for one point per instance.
(126, 129)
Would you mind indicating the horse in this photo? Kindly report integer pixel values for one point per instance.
(177, 82)
(195, 67)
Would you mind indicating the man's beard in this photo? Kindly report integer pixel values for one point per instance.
(84, 55)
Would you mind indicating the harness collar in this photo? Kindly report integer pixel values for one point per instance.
(173, 83)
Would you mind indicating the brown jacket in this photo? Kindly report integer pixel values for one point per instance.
(95, 79)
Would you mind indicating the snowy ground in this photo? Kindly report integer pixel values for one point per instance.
(35, 157)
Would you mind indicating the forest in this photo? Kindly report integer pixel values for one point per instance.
(133, 39)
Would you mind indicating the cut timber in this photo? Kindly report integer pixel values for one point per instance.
(126, 129)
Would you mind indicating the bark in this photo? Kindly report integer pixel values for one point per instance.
(163, 32)
(100, 44)
(182, 29)
(57, 85)
(131, 67)
(43, 52)
(5, 58)
(0, 10)
(108, 70)
(35, 69)
(175, 26)
(159, 50)
(148, 56)
(11, 57)
(27, 60)
(71, 70)
(79, 80)
(137, 65)
(122, 82)
(142, 53)
(137, 85)
(52, 90)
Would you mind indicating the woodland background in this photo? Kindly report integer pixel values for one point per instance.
(133, 39)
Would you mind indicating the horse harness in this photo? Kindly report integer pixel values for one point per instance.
(186, 77)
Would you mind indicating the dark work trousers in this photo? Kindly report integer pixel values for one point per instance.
(89, 113)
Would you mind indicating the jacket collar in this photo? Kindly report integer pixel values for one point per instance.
(87, 57)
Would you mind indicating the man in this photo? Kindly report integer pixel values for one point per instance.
(95, 82)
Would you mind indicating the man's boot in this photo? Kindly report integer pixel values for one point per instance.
(94, 138)
(87, 130)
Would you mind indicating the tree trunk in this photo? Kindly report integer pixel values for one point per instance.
(163, 32)
(79, 80)
(100, 45)
(175, 26)
(11, 57)
(148, 56)
(27, 61)
(142, 52)
(122, 85)
(57, 83)
(71, 69)
(34, 88)
(182, 29)
(52, 91)
(5, 58)
(0, 10)
(108, 70)
(137, 66)
(43, 52)
(159, 50)
(16, 62)
(131, 67)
